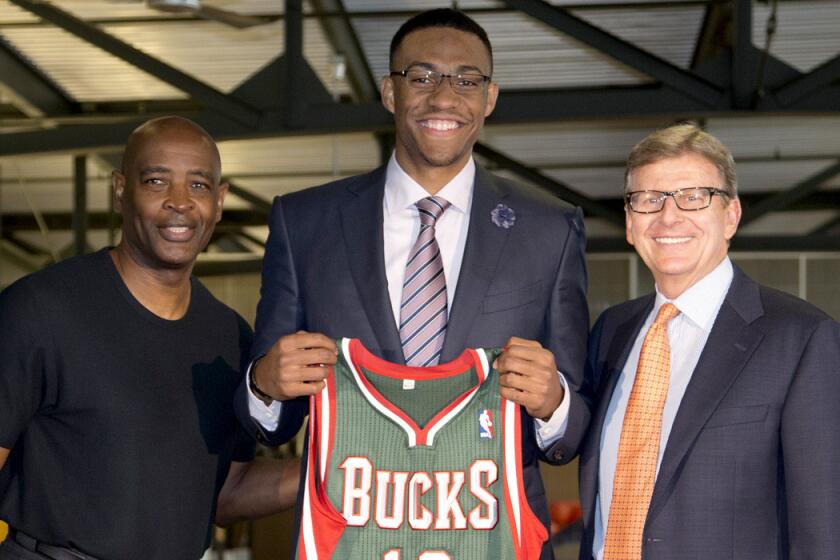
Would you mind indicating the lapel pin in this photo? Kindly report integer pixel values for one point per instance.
(503, 216)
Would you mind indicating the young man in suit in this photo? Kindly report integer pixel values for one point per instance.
(511, 257)
(715, 429)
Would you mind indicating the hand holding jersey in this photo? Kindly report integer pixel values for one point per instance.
(294, 366)
(528, 377)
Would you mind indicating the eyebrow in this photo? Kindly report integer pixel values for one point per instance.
(163, 169)
(464, 68)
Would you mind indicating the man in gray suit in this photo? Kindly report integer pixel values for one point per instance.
(512, 258)
(745, 446)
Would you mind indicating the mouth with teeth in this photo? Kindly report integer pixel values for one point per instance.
(672, 240)
(440, 125)
(177, 233)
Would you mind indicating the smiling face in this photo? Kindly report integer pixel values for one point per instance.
(169, 194)
(436, 130)
(681, 247)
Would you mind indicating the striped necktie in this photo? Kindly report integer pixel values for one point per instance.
(638, 448)
(423, 313)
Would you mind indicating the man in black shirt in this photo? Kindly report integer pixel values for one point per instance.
(117, 371)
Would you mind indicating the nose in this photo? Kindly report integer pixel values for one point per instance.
(444, 95)
(179, 198)
(670, 213)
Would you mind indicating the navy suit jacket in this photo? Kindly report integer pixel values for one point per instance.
(324, 271)
(750, 468)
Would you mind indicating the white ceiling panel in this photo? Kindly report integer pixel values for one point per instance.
(602, 182)
(777, 175)
(787, 223)
(807, 31)
(303, 154)
(779, 136)
(85, 72)
(122, 9)
(667, 32)
(576, 143)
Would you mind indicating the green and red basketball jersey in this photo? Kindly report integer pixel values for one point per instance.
(413, 463)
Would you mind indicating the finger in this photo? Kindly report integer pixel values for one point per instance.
(306, 389)
(515, 396)
(516, 341)
(534, 352)
(303, 340)
(526, 367)
(306, 357)
(304, 374)
(512, 381)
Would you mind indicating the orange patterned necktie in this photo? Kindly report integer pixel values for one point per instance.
(638, 449)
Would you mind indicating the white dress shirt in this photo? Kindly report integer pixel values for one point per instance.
(401, 225)
(687, 335)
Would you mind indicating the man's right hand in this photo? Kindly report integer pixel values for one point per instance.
(295, 366)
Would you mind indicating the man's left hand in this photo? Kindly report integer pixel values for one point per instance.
(528, 376)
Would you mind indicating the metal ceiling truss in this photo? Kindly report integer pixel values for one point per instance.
(31, 86)
(286, 99)
(725, 85)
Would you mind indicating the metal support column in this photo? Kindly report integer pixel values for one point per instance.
(294, 60)
(80, 217)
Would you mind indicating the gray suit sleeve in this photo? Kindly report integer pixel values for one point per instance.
(810, 441)
(279, 313)
(567, 327)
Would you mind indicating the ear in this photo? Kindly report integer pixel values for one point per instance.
(223, 190)
(492, 96)
(386, 90)
(733, 218)
(118, 189)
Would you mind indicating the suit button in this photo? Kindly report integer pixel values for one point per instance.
(558, 455)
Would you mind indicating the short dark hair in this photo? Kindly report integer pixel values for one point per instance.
(440, 17)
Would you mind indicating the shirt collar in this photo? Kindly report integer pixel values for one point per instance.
(702, 301)
(401, 191)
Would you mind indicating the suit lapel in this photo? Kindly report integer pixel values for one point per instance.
(620, 344)
(361, 221)
(482, 252)
(730, 344)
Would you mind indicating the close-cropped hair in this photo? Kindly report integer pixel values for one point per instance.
(680, 139)
(441, 17)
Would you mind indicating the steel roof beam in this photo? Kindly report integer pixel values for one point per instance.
(822, 76)
(826, 227)
(513, 107)
(621, 50)
(743, 70)
(339, 32)
(33, 88)
(786, 197)
(257, 202)
(200, 91)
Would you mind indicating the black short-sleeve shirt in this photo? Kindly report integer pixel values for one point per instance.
(121, 424)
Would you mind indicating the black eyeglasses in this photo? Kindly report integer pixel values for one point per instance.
(650, 202)
(423, 79)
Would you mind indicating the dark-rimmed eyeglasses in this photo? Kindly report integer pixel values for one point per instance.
(423, 79)
(650, 202)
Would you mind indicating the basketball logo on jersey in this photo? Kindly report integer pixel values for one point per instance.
(485, 424)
